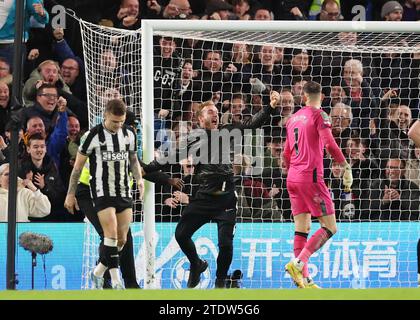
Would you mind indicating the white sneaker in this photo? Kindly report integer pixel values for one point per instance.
(118, 286)
(98, 282)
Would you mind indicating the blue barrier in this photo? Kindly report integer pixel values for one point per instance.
(360, 255)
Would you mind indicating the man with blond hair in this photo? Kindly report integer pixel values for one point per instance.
(48, 71)
(215, 199)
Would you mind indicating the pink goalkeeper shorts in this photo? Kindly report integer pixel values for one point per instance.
(313, 198)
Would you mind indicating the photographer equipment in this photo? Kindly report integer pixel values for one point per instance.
(36, 244)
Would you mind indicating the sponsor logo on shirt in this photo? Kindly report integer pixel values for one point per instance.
(114, 156)
(326, 118)
(299, 118)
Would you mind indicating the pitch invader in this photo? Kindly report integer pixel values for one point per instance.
(112, 151)
(308, 132)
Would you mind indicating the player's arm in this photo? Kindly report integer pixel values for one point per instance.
(153, 172)
(70, 203)
(135, 166)
(137, 171)
(264, 115)
(335, 152)
(287, 152)
(331, 146)
(414, 133)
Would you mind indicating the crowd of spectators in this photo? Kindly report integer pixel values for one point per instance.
(372, 100)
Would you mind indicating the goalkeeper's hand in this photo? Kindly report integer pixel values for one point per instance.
(347, 177)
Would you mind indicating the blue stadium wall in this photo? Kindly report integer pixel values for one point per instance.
(361, 255)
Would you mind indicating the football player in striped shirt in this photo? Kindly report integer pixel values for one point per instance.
(111, 148)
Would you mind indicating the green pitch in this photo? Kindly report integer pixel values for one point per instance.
(228, 294)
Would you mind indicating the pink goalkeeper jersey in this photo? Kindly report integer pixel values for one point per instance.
(305, 145)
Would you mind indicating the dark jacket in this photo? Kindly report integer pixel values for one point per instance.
(49, 118)
(175, 213)
(364, 109)
(182, 99)
(281, 9)
(166, 71)
(4, 118)
(217, 170)
(405, 208)
(388, 141)
(6, 152)
(57, 139)
(275, 79)
(54, 188)
(208, 83)
(63, 52)
(364, 172)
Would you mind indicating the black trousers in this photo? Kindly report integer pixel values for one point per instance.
(220, 209)
(127, 266)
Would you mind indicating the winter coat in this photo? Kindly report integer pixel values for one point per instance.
(29, 89)
(29, 204)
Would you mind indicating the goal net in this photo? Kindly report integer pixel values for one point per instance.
(370, 80)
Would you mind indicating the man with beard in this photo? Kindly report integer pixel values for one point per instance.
(215, 199)
(308, 134)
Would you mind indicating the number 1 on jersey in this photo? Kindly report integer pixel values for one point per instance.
(296, 132)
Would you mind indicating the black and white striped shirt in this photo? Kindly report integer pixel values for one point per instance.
(109, 160)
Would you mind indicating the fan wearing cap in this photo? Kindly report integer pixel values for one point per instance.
(392, 11)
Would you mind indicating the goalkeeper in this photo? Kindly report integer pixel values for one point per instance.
(308, 132)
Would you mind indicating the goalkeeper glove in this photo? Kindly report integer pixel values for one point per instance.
(257, 87)
(347, 177)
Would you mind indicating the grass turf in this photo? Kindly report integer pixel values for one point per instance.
(231, 294)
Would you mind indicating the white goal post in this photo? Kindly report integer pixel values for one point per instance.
(149, 27)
